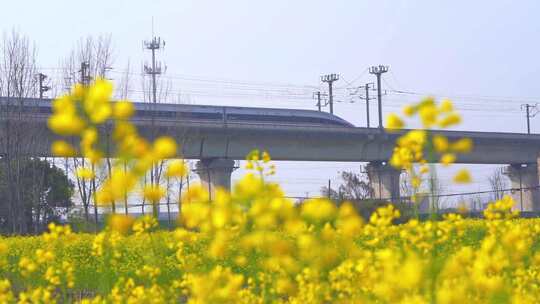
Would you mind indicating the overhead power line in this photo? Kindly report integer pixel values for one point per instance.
(468, 97)
(194, 78)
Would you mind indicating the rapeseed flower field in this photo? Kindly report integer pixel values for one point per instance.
(253, 245)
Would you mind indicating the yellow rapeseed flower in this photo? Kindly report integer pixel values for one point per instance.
(440, 143)
(164, 147)
(266, 157)
(62, 148)
(463, 145)
(195, 194)
(85, 173)
(144, 224)
(448, 158)
(153, 193)
(428, 115)
(177, 168)
(121, 223)
(64, 104)
(450, 120)
(446, 106)
(65, 124)
(97, 103)
(253, 155)
(462, 177)
(78, 91)
(409, 110)
(393, 122)
(319, 210)
(93, 155)
(416, 181)
(89, 138)
(123, 109)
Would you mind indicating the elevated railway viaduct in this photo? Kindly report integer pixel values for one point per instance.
(217, 136)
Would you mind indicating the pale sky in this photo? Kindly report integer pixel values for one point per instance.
(481, 54)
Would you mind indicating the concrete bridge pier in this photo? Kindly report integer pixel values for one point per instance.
(384, 180)
(215, 172)
(525, 179)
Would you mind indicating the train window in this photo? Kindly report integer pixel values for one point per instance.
(149, 113)
(36, 109)
(45, 110)
(200, 115)
(278, 118)
(180, 115)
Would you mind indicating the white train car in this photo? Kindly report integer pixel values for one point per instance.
(202, 113)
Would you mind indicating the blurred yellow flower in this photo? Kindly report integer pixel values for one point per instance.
(85, 173)
(416, 181)
(463, 145)
(450, 120)
(446, 106)
(266, 157)
(153, 193)
(65, 124)
(120, 223)
(393, 122)
(123, 110)
(428, 115)
(164, 147)
(462, 177)
(448, 158)
(78, 91)
(177, 168)
(440, 143)
(97, 102)
(64, 104)
(62, 148)
(319, 210)
(409, 110)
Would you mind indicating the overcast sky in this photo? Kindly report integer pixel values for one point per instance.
(481, 54)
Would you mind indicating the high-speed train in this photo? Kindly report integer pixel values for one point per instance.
(205, 113)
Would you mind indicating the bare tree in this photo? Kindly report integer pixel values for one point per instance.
(95, 57)
(124, 85)
(17, 83)
(163, 90)
(498, 182)
(405, 186)
(428, 185)
(355, 187)
(476, 203)
(435, 189)
(96, 53)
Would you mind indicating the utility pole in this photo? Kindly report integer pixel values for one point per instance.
(85, 73)
(378, 71)
(330, 78)
(528, 119)
(329, 188)
(155, 69)
(528, 114)
(367, 87)
(319, 97)
(42, 88)
(318, 94)
(367, 98)
(367, 103)
(155, 44)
